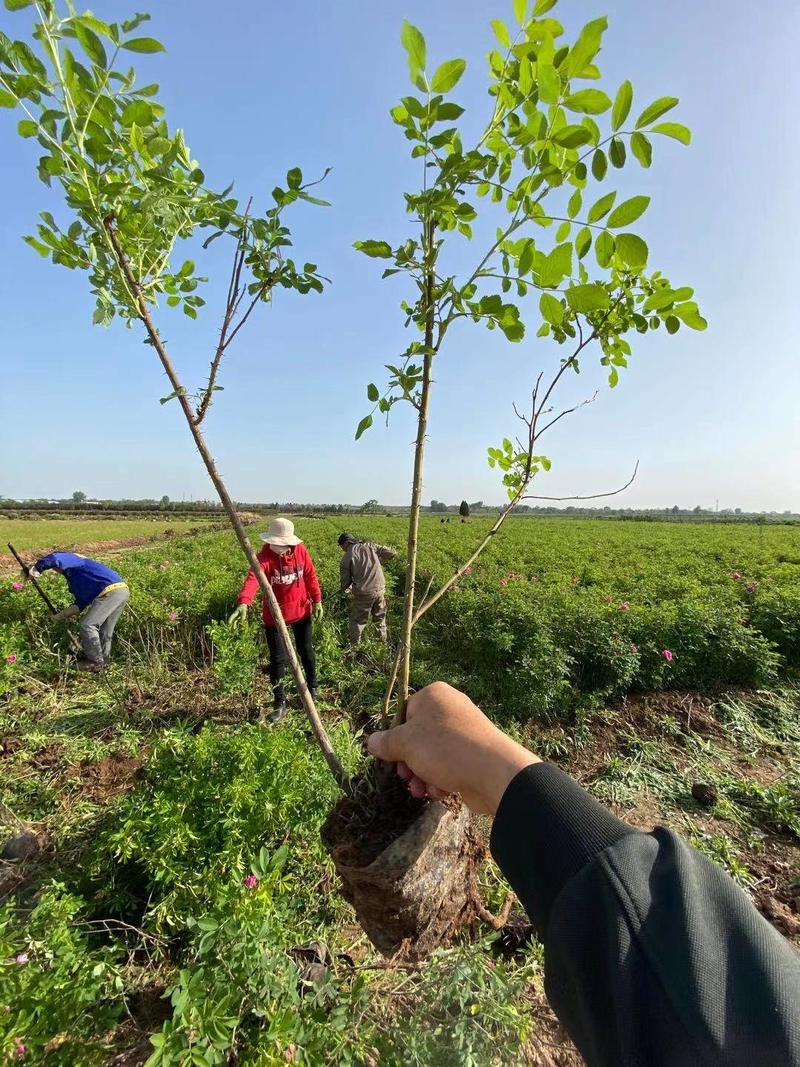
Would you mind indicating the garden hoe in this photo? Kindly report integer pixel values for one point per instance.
(73, 640)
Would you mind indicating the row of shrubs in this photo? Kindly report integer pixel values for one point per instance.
(531, 657)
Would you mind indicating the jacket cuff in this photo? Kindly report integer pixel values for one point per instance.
(547, 828)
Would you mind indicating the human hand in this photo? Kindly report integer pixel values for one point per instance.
(29, 573)
(66, 613)
(447, 745)
(239, 615)
(317, 610)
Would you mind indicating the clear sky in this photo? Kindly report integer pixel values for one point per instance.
(260, 86)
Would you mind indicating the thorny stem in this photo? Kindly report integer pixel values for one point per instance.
(143, 313)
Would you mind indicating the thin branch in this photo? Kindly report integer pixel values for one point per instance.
(231, 304)
(568, 411)
(590, 496)
(140, 306)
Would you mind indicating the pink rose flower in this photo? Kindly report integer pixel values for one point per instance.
(751, 587)
(173, 615)
(624, 606)
(574, 581)
(735, 575)
(504, 581)
(250, 881)
(11, 658)
(20, 1049)
(667, 655)
(634, 648)
(468, 570)
(21, 957)
(17, 586)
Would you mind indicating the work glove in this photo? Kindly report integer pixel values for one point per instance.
(66, 613)
(318, 611)
(30, 572)
(239, 615)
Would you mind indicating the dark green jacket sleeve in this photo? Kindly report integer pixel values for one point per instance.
(653, 956)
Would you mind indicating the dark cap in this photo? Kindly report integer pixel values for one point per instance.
(347, 539)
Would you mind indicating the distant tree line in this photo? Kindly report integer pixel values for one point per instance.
(79, 504)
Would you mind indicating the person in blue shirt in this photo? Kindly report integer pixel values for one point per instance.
(96, 590)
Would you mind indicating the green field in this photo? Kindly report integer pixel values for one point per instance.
(29, 535)
(157, 793)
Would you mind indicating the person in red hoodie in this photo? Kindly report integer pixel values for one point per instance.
(290, 570)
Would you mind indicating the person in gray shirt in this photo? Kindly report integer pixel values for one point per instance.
(361, 569)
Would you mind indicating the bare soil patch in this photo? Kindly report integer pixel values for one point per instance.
(113, 774)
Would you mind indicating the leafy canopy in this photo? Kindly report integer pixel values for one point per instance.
(106, 142)
(539, 169)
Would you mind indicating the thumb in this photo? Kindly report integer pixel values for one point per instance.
(389, 745)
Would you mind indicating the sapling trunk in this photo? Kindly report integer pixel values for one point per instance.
(416, 485)
(307, 700)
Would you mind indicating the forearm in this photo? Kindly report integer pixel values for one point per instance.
(547, 828)
(650, 950)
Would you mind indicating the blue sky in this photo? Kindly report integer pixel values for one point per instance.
(263, 86)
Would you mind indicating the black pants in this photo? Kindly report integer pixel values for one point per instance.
(278, 659)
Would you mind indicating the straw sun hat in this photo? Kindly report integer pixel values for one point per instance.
(281, 532)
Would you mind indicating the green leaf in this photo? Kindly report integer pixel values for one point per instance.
(574, 203)
(604, 248)
(525, 261)
(501, 32)
(616, 152)
(7, 99)
(642, 149)
(563, 231)
(447, 75)
(632, 250)
(672, 324)
(599, 165)
(548, 82)
(520, 8)
(375, 249)
(690, 316)
(556, 265)
(27, 128)
(601, 207)
(586, 47)
(143, 44)
(373, 393)
(137, 111)
(363, 426)
(91, 44)
(572, 136)
(294, 178)
(543, 6)
(656, 110)
(583, 242)
(414, 44)
(586, 298)
(447, 111)
(628, 211)
(588, 101)
(622, 105)
(551, 308)
(673, 129)
(43, 250)
(18, 5)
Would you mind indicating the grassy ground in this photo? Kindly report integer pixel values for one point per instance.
(153, 794)
(37, 535)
